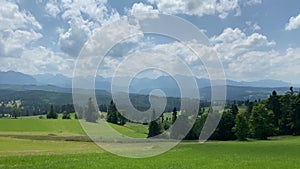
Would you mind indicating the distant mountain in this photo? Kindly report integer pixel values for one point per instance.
(48, 88)
(261, 83)
(56, 80)
(137, 85)
(16, 78)
(245, 93)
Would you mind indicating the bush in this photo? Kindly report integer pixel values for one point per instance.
(66, 115)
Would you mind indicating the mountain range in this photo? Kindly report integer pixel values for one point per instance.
(60, 83)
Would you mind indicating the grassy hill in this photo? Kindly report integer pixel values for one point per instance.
(275, 154)
(35, 125)
(59, 127)
(40, 143)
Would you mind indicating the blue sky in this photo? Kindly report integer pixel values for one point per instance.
(255, 39)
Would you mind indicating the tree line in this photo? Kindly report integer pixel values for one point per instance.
(277, 115)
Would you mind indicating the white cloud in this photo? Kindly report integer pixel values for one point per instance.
(256, 27)
(251, 57)
(139, 9)
(251, 2)
(94, 9)
(14, 42)
(233, 42)
(253, 26)
(72, 41)
(199, 8)
(245, 57)
(39, 60)
(52, 8)
(82, 16)
(12, 18)
(17, 30)
(104, 39)
(294, 23)
(18, 48)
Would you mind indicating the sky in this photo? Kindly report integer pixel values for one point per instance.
(254, 39)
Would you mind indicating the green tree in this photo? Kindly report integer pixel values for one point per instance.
(296, 116)
(15, 108)
(234, 109)
(66, 115)
(224, 129)
(241, 128)
(174, 115)
(80, 113)
(261, 122)
(154, 127)
(51, 114)
(286, 117)
(181, 129)
(194, 133)
(249, 110)
(121, 119)
(112, 114)
(91, 114)
(273, 104)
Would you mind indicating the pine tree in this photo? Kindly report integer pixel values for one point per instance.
(181, 129)
(249, 110)
(154, 127)
(122, 120)
(224, 129)
(296, 116)
(51, 114)
(112, 114)
(234, 109)
(80, 113)
(174, 115)
(91, 114)
(273, 104)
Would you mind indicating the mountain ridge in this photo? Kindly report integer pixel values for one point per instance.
(137, 85)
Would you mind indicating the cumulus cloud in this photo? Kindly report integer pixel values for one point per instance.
(106, 38)
(12, 18)
(94, 9)
(52, 8)
(294, 23)
(244, 57)
(140, 9)
(200, 8)
(251, 57)
(17, 30)
(13, 42)
(72, 41)
(39, 60)
(253, 26)
(82, 16)
(234, 42)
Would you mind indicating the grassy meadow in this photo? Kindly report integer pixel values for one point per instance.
(23, 153)
(40, 143)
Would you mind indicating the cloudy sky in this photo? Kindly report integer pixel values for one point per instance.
(255, 39)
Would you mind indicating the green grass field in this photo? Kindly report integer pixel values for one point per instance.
(35, 126)
(22, 153)
(33, 152)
